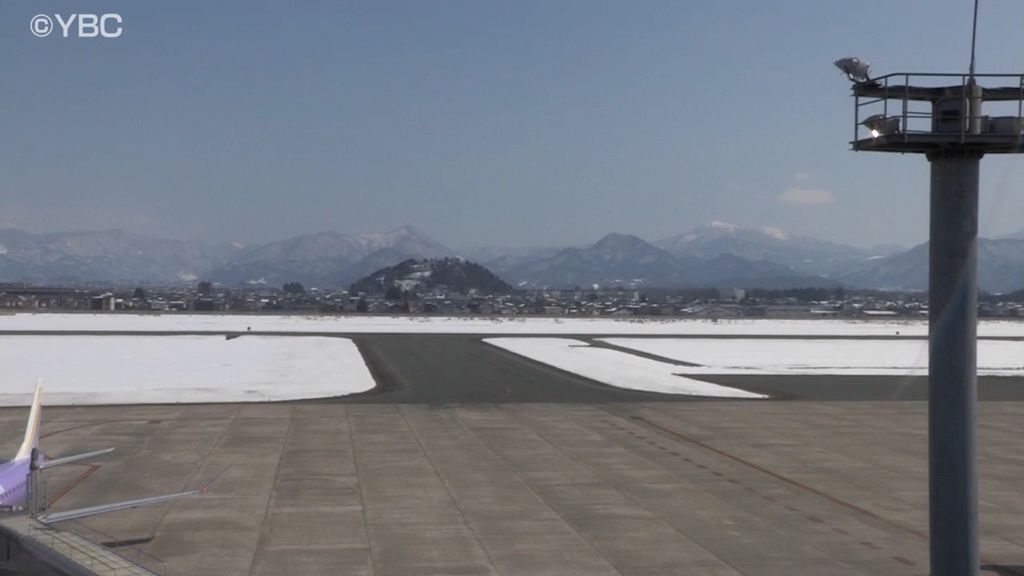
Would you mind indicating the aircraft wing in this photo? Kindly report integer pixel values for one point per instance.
(69, 459)
(54, 517)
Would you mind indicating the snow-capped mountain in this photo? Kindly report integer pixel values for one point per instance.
(1000, 268)
(328, 258)
(620, 259)
(104, 256)
(804, 254)
(614, 259)
(716, 254)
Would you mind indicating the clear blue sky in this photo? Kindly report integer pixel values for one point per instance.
(481, 122)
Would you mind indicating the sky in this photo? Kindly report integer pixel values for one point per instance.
(480, 122)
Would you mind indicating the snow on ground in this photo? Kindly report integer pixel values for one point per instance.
(481, 325)
(795, 356)
(169, 369)
(619, 369)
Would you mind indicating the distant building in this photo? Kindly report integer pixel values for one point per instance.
(27, 296)
(880, 313)
(103, 302)
(204, 304)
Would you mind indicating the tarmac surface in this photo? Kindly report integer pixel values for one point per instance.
(471, 460)
(462, 368)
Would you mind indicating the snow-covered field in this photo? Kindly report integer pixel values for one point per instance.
(426, 325)
(126, 369)
(614, 368)
(804, 356)
(169, 369)
(480, 325)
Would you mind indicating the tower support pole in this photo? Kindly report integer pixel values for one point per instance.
(952, 362)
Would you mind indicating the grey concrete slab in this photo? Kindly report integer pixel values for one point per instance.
(304, 561)
(316, 528)
(638, 488)
(427, 548)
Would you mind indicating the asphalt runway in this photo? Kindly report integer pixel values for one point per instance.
(460, 369)
(457, 369)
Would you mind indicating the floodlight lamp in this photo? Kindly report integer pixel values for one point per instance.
(855, 69)
(880, 124)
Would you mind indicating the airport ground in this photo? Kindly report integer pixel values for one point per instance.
(470, 460)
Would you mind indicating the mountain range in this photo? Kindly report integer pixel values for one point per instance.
(1000, 268)
(715, 254)
(105, 256)
(623, 260)
(326, 258)
(804, 254)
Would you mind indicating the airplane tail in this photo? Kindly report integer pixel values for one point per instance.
(32, 428)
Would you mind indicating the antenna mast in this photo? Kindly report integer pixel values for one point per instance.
(974, 36)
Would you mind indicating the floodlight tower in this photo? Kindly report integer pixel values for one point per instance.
(940, 116)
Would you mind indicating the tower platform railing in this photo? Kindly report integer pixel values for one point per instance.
(927, 112)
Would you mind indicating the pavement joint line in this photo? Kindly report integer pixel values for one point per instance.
(359, 482)
(807, 514)
(766, 497)
(796, 483)
(199, 466)
(514, 472)
(447, 487)
(264, 529)
(624, 494)
(871, 463)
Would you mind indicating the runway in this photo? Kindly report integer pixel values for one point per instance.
(457, 369)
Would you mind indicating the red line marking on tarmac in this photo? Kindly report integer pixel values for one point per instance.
(90, 468)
